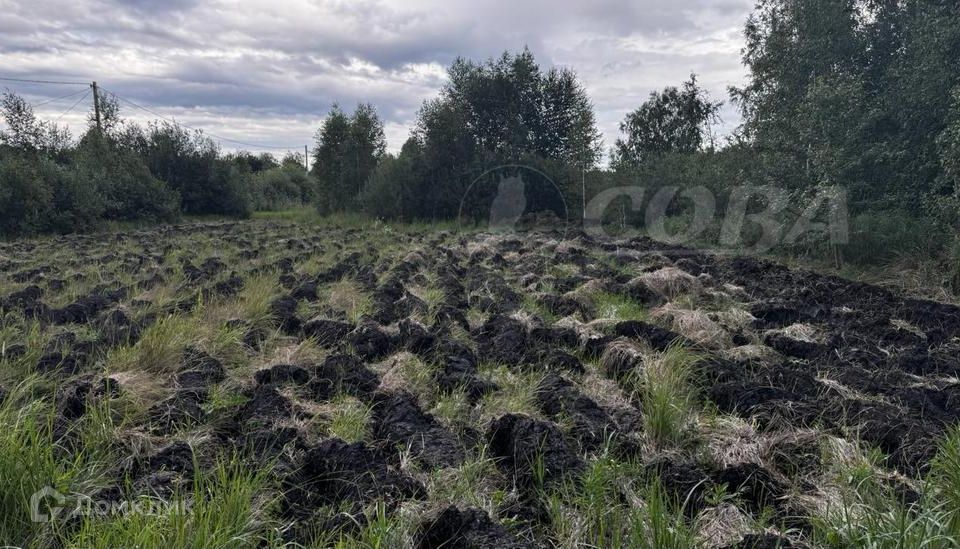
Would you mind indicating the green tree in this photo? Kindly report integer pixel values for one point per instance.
(502, 111)
(512, 109)
(347, 151)
(25, 198)
(671, 121)
(26, 132)
(854, 93)
(363, 149)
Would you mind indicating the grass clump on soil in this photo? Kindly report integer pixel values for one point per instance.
(222, 508)
(452, 408)
(31, 459)
(613, 504)
(618, 307)
(347, 296)
(349, 419)
(666, 389)
(14, 330)
(469, 484)
(159, 348)
(381, 530)
(874, 511)
(253, 303)
(532, 306)
(517, 393)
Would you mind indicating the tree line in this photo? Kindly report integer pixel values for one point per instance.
(863, 94)
(858, 94)
(121, 171)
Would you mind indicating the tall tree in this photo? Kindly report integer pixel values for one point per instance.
(514, 109)
(365, 147)
(348, 149)
(328, 160)
(852, 92)
(25, 132)
(502, 111)
(671, 121)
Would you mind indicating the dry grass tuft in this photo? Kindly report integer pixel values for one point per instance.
(803, 332)
(760, 354)
(405, 371)
(672, 282)
(729, 440)
(623, 356)
(347, 296)
(722, 526)
(695, 325)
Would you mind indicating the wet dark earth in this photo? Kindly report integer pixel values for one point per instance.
(283, 326)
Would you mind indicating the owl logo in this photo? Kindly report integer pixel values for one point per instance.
(509, 204)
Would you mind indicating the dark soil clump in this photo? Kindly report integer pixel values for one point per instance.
(469, 528)
(398, 421)
(533, 452)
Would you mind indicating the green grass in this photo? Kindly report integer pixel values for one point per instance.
(871, 513)
(531, 305)
(222, 508)
(452, 408)
(31, 460)
(618, 307)
(159, 348)
(668, 396)
(28, 333)
(613, 504)
(517, 394)
(383, 530)
(350, 419)
(224, 399)
(254, 300)
(469, 484)
(346, 295)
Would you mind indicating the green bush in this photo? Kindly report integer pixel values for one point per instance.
(281, 188)
(387, 193)
(953, 266)
(878, 237)
(76, 201)
(25, 198)
(122, 182)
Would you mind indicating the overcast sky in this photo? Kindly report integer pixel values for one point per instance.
(267, 71)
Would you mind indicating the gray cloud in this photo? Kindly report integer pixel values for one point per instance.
(266, 71)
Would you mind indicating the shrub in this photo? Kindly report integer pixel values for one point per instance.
(25, 198)
(387, 193)
(877, 237)
(76, 204)
(122, 182)
(281, 188)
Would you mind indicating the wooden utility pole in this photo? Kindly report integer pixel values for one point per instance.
(96, 105)
(306, 159)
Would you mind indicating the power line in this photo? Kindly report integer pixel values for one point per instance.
(58, 98)
(56, 82)
(72, 107)
(227, 139)
(136, 105)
